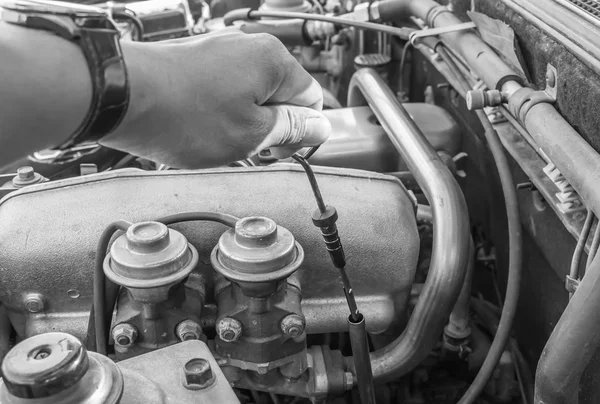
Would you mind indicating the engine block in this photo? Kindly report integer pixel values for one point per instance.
(49, 234)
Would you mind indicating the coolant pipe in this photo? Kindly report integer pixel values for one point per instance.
(577, 334)
(574, 340)
(451, 237)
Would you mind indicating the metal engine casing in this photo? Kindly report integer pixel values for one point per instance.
(49, 234)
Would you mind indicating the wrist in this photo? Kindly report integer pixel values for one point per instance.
(143, 62)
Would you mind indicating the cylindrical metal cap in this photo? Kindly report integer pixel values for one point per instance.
(256, 250)
(150, 255)
(55, 368)
(44, 365)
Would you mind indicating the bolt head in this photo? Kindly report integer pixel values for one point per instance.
(34, 303)
(198, 374)
(229, 329)
(293, 325)
(124, 335)
(188, 330)
(26, 173)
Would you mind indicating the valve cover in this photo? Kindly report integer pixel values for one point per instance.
(49, 234)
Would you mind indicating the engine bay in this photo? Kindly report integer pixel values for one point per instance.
(438, 248)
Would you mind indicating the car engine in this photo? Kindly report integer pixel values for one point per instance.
(440, 247)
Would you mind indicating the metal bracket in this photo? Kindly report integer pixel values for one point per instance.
(571, 284)
(415, 35)
(551, 82)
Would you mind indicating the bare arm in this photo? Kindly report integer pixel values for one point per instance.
(194, 103)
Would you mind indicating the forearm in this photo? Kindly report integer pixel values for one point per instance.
(46, 90)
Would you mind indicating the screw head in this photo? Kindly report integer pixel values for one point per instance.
(34, 303)
(124, 335)
(229, 329)
(188, 330)
(293, 325)
(198, 374)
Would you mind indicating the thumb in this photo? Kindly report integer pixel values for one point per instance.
(294, 127)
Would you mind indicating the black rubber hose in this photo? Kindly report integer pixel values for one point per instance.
(99, 308)
(105, 293)
(515, 242)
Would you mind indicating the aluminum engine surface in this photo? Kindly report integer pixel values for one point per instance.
(49, 234)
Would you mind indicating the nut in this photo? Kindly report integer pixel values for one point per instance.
(26, 173)
(349, 380)
(229, 329)
(188, 330)
(124, 335)
(293, 325)
(34, 303)
(198, 374)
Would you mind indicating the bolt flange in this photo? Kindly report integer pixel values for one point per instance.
(293, 325)
(198, 374)
(124, 335)
(188, 330)
(229, 329)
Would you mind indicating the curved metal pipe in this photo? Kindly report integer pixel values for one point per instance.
(576, 335)
(451, 232)
(574, 340)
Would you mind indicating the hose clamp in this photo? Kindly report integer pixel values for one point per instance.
(522, 100)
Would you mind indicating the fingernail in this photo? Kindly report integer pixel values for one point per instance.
(318, 130)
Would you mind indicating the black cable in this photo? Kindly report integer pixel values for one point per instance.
(514, 240)
(314, 185)
(105, 293)
(125, 14)
(245, 14)
(99, 308)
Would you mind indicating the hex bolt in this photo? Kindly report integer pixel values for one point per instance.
(292, 325)
(124, 335)
(26, 173)
(198, 374)
(229, 329)
(34, 303)
(188, 330)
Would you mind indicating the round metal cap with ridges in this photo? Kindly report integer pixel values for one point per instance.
(257, 250)
(44, 365)
(150, 255)
(56, 368)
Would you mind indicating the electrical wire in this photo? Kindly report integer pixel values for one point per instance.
(105, 293)
(514, 240)
(244, 14)
(126, 14)
(580, 247)
(594, 246)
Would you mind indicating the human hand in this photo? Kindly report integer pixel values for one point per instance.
(217, 98)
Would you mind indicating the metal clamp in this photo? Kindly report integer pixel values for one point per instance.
(415, 35)
(571, 284)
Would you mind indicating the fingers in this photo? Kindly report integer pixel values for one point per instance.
(294, 127)
(286, 80)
